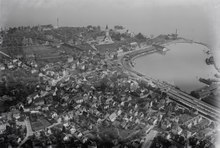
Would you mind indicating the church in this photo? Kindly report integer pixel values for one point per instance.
(105, 39)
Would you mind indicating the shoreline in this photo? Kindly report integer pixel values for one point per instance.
(181, 97)
(150, 50)
(182, 40)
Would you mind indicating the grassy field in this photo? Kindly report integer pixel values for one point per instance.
(49, 54)
(41, 51)
(40, 124)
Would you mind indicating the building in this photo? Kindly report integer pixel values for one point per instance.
(2, 66)
(90, 40)
(45, 27)
(1, 40)
(27, 41)
(120, 29)
(49, 37)
(134, 45)
(143, 45)
(113, 117)
(105, 39)
(70, 59)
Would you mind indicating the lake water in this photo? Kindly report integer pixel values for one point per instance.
(182, 65)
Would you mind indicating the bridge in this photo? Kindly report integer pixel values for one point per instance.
(177, 95)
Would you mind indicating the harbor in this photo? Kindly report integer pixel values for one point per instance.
(182, 65)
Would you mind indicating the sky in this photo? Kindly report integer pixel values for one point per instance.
(83, 12)
(194, 19)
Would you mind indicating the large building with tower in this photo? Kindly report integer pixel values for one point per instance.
(105, 39)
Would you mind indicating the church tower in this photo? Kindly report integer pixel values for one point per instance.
(107, 38)
(106, 31)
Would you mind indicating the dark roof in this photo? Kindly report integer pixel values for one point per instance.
(85, 46)
(105, 47)
(160, 38)
(72, 46)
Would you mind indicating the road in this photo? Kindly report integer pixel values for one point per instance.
(179, 96)
(149, 138)
(28, 133)
(4, 54)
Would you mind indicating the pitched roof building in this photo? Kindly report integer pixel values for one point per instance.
(105, 39)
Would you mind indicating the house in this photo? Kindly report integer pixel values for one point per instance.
(172, 36)
(35, 112)
(90, 40)
(32, 56)
(134, 86)
(56, 44)
(120, 29)
(119, 112)
(176, 129)
(2, 127)
(16, 114)
(54, 115)
(71, 42)
(99, 39)
(70, 59)
(207, 132)
(134, 45)
(46, 43)
(39, 102)
(2, 67)
(112, 117)
(73, 130)
(155, 121)
(120, 51)
(49, 37)
(27, 41)
(19, 56)
(78, 42)
(1, 40)
(46, 27)
(189, 125)
(123, 124)
(129, 33)
(143, 44)
(10, 65)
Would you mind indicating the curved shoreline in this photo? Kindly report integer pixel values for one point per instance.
(206, 110)
(130, 57)
(182, 40)
(142, 53)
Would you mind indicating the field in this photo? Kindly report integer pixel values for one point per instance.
(41, 51)
(49, 54)
(40, 124)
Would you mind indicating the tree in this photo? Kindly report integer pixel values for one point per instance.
(140, 36)
(151, 36)
(99, 28)
(116, 36)
(118, 27)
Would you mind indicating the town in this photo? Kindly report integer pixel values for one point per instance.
(67, 87)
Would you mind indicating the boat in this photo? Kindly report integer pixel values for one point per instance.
(206, 81)
(217, 75)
